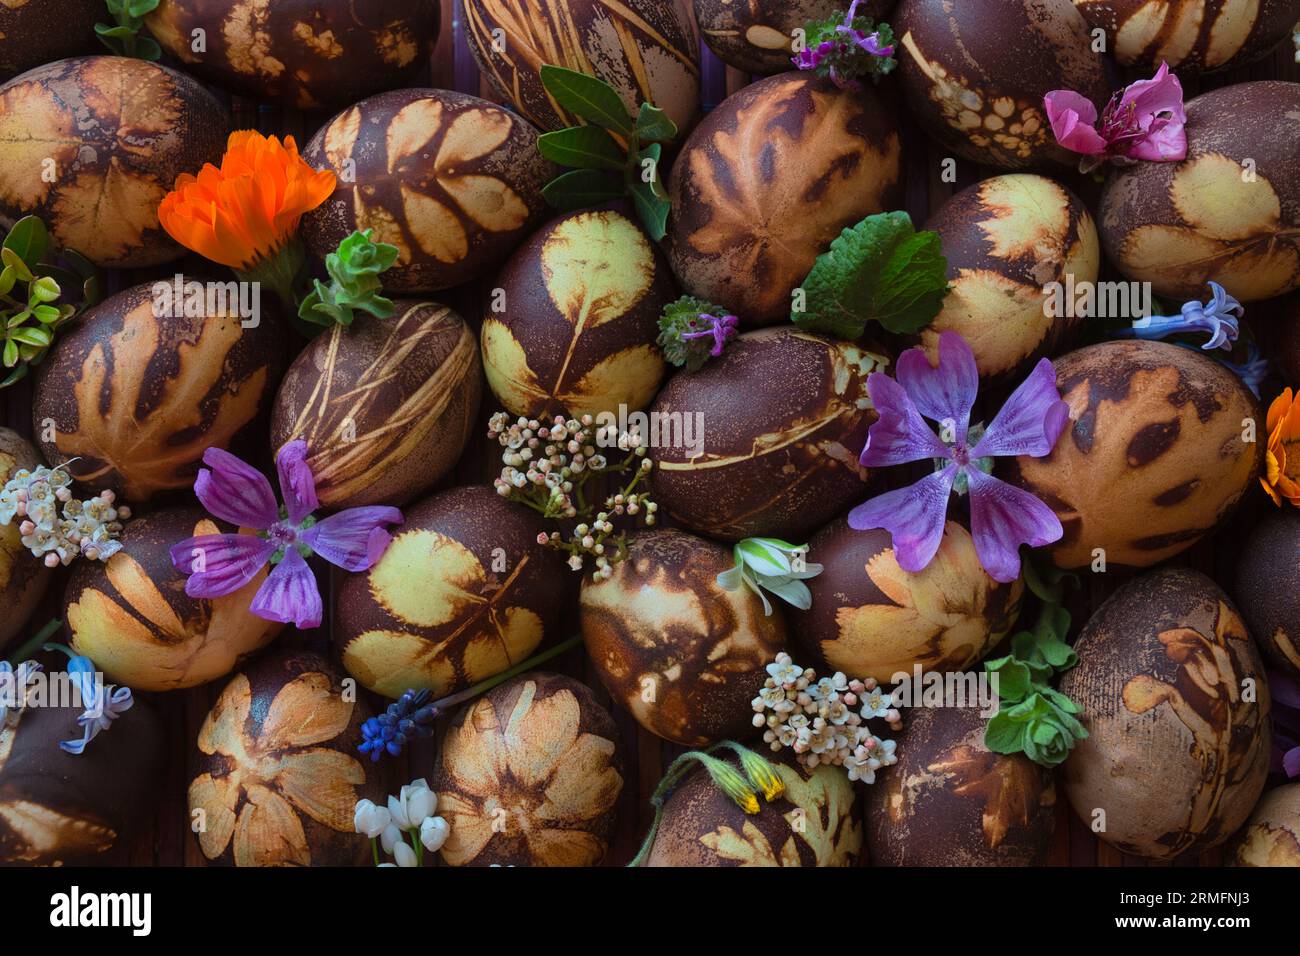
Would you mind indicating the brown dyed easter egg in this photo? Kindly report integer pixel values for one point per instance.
(23, 577)
(529, 775)
(870, 618)
(765, 439)
(950, 801)
(132, 617)
(136, 394)
(680, 652)
(1272, 835)
(757, 36)
(1229, 212)
(1286, 345)
(768, 179)
(1012, 242)
(93, 144)
(1154, 456)
(578, 319)
(453, 181)
(1268, 588)
(463, 592)
(26, 37)
(385, 405)
(303, 53)
(647, 51)
(975, 75)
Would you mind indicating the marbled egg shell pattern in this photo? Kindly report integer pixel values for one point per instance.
(1272, 835)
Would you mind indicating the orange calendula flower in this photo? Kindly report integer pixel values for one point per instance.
(1281, 477)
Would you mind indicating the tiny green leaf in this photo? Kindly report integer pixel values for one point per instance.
(654, 126)
(582, 147)
(587, 97)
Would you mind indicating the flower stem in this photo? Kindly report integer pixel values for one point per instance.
(374, 849)
(484, 686)
(31, 647)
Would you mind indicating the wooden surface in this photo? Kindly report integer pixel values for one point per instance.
(168, 841)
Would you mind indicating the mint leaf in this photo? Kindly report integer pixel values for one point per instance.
(582, 147)
(580, 188)
(587, 97)
(1004, 735)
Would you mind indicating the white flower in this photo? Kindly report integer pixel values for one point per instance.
(784, 672)
(883, 752)
(410, 808)
(433, 833)
(404, 855)
(876, 703)
(370, 819)
(390, 837)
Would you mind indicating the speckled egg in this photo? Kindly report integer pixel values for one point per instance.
(303, 53)
(1268, 587)
(765, 439)
(385, 405)
(870, 618)
(1013, 245)
(815, 822)
(1162, 442)
(757, 36)
(23, 577)
(278, 772)
(1272, 835)
(135, 394)
(1174, 699)
(684, 655)
(975, 74)
(1191, 35)
(132, 617)
(768, 179)
(463, 592)
(530, 775)
(453, 181)
(26, 39)
(950, 801)
(575, 325)
(646, 51)
(93, 144)
(1229, 212)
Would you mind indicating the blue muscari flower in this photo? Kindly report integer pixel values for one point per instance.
(408, 717)
(1253, 371)
(1215, 317)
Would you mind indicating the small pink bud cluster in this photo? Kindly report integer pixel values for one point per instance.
(57, 527)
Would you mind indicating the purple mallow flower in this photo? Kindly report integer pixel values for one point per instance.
(1219, 317)
(219, 564)
(1003, 517)
(721, 328)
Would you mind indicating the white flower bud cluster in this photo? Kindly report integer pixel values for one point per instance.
(54, 525)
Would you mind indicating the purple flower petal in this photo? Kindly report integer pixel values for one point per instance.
(289, 594)
(900, 435)
(1031, 420)
(347, 539)
(1073, 117)
(296, 481)
(1291, 762)
(914, 517)
(1163, 93)
(947, 392)
(236, 492)
(220, 564)
(1002, 518)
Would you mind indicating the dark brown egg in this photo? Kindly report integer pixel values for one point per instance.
(647, 51)
(949, 801)
(1013, 242)
(758, 36)
(870, 618)
(1229, 212)
(385, 405)
(93, 144)
(684, 655)
(578, 317)
(278, 771)
(975, 74)
(1177, 712)
(304, 53)
(768, 179)
(453, 181)
(1268, 587)
(26, 37)
(1286, 348)
(463, 592)
(1162, 443)
(23, 577)
(132, 617)
(764, 440)
(815, 822)
(1272, 835)
(135, 392)
(529, 775)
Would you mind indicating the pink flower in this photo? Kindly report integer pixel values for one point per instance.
(1144, 122)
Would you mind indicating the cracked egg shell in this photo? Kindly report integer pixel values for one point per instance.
(23, 578)
(303, 53)
(680, 652)
(647, 51)
(815, 822)
(385, 405)
(1268, 588)
(529, 775)
(949, 801)
(463, 592)
(749, 221)
(975, 75)
(870, 618)
(1153, 458)
(580, 321)
(776, 425)
(1272, 835)
(451, 180)
(137, 394)
(114, 132)
(1006, 240)
(1175, 755)
(1191, 35)
(132, 617)
(757, 35)
(58, 808)
(278, 774)
(1179, 225)
(26, 37)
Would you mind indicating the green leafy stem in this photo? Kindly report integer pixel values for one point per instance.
(123, 36)
(354, 269)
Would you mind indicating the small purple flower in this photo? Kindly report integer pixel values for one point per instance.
(408, 717)
(1003, 517)
(1285, 691)
(219, 564)
(847, 38)
(721, 328)
(1145, 121)
(1220, 317)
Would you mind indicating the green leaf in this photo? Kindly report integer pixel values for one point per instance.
(15, 261)
(582, 147)
(654, 126)
(1003, 735)
(648, 194)
(44, 289)
(115, 32)
(139, 8)
(587, 97)
(32, 335)
(16, 375)
(29, 240)
(10, 353)
(580, 188)
(147, 48)
(1014, 679)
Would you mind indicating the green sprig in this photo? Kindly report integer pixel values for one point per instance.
(354, 285)
(847, 64)
(683, 317)
(124, 36)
